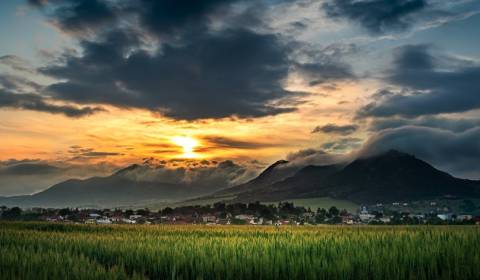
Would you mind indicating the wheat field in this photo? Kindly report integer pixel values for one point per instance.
(60, 251)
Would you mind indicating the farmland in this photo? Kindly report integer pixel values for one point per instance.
(61, 251)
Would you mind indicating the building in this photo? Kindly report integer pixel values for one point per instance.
(445, 216)
(104, 221)
(209, 219)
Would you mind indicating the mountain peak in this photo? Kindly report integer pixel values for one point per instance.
(271, 168)
(127, 169)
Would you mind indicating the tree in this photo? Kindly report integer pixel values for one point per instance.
(129, 213)
(219, 206)
(167, 211)
(143, 212)
(64, 212)
(12, 214)
(333, 212)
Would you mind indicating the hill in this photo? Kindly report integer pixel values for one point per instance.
(388, 177)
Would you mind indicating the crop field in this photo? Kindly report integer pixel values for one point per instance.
(60, 251)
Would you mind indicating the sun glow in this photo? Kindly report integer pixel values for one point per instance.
(188, 144)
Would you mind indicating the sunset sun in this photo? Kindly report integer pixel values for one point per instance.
(188, 144)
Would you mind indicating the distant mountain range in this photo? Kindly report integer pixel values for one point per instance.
(121, 189)
(387, 177)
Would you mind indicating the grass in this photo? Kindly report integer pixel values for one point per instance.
(60, 251)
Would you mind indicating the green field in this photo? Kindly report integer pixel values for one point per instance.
(59, 251)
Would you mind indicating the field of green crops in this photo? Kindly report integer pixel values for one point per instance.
(59, 251)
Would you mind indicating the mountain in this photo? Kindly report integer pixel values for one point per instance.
(123, 188)
(278, 171)
(388, 177)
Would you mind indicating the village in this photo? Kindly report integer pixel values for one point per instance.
(285, 213)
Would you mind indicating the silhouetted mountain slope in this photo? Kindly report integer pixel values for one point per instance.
(274, 173)
(391, 176)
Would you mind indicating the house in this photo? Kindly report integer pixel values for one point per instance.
(366, 217)
(348, 220)
(94, 215)
(104, 221)
(116, 218)
(209, 219)
(128, 221)
(445, 216)
(464, 217)
(135, 217)
(385, 220)
(244, 217)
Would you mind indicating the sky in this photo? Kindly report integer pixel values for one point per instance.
(228, 87)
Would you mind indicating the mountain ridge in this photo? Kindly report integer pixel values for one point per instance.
(385, 177)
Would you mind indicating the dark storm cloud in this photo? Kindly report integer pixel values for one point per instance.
(229, 73)
(377, 16)
(320, 73)
(35, 102)
(77, 15)
(183, 59)
(430, 84)
(454, 125)
(164, 17)
(336, 129)
(453, 152)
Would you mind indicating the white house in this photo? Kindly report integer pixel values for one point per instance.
(104, 221)
(445, 216)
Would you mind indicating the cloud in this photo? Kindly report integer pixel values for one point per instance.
(325, 65)
(35, 102)
(16, 63)
(27, 176)
(82, 153)
(454, 125)
(18, 84)
(232, 143)
(343, 145)
(231, 73)
(429, 84)
(28, 169)
(316, 157)
(199, 173)
(186, 61)
(377, 16)
(336, 129)
(457, 153)
(77, 15)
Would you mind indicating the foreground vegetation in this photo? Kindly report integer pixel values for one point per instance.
(61, 251)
